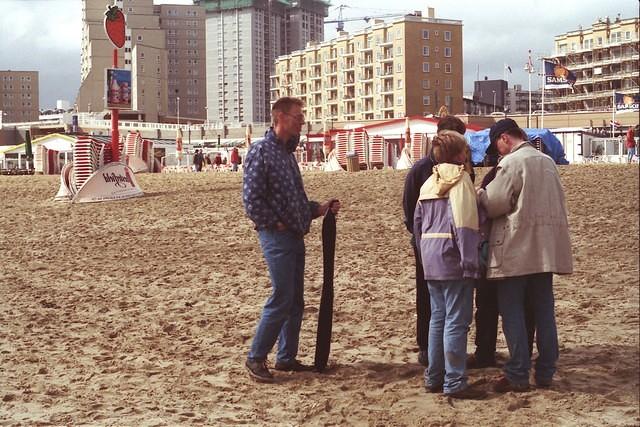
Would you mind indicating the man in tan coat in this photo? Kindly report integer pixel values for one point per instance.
(529, 241)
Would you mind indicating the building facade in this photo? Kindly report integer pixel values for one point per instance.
(243, 38)
(604, 59)
(19, 96)
(411, 65)
(517, 100)
(159, 51)
(491, 92)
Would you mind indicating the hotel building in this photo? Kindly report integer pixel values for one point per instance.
(411, 65)
(604, 59)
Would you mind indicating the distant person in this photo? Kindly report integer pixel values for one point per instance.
(235, 159)
(528, 242)
(446, 230)
(416, 177)
(198, 160)
(217, 160)
(207, 161)
(631, 145)
(275, 201)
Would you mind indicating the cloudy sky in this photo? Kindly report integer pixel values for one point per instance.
(44, 35)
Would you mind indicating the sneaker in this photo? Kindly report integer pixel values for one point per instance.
(258, 371)
(474, 363)
(293, 366)
(469, 393)
(423, 358)
(503, 385)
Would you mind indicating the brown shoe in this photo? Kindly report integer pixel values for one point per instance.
(258, 371)
(503, 385)
(469, 393)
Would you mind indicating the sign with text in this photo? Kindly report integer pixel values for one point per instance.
(114, 181)
(117, 88)
(627, 103)
(557, 76)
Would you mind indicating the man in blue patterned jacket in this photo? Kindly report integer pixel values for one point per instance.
(275, 200)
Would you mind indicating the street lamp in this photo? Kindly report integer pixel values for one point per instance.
(178, 109)
(494, 100)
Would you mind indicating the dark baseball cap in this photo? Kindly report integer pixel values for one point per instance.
(499, 128)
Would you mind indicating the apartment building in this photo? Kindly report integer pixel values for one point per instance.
(19, 96)
(243, 38)
(186, 56)
(604, 59)
(164, 49)
(411, 65)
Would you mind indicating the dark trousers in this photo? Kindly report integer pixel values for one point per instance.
(487, 320)
(423, 305)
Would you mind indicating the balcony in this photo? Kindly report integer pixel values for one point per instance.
(386, 59)
(387, 90)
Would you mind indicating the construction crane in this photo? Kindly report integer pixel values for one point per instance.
(340, 20)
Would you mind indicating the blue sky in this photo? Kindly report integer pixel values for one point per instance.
(44, 35)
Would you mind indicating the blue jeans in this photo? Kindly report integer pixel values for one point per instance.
(511, 297)
(631, 151)
(282, 314)
(451, 312)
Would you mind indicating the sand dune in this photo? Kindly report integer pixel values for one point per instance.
(140, 312)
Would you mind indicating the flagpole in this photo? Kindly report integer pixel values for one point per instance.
(543, 82)
(613, 118)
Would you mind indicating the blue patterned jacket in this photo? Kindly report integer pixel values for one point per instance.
(272, 190)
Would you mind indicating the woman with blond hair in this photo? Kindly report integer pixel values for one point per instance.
(446, 228)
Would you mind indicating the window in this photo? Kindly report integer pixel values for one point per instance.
(426, 100)
(447, 52)
(436, 65)
(447, 101)
(425, 34)
(399, 100)
(447, 67)
(399, 67)
(447, 36)
(399, 83)
(139, 38)
(399, 50)
(627, 35)
(426, 84)
(425, 67)
(425, 50)
(447, 83)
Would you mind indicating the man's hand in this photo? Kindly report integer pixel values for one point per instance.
(334, 204)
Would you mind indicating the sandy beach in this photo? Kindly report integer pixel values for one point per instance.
(140, 312)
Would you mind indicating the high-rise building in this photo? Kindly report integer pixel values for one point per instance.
(243, 39)
(604, 59)
(411, 65)
(164, 49)
(19, 96)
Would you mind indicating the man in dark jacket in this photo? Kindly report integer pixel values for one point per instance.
(418, 175)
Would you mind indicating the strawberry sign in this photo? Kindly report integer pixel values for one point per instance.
(114, 25)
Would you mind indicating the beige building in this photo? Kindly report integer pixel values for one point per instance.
(411, 65)
(604, 59)
(19, 96)
(165, 51)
